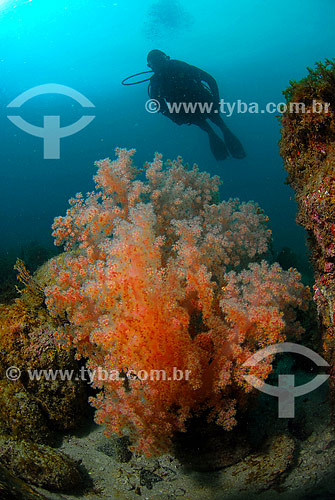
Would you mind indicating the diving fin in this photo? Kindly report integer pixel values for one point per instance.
(218, 147)
(233, 144)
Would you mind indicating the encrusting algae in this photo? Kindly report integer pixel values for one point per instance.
(307, 146)
(33, 408)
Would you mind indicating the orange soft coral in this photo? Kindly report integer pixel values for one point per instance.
(153, 282)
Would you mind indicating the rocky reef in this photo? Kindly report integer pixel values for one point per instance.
(34, 407)
(307, 146)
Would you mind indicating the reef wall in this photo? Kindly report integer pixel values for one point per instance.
(307, 146)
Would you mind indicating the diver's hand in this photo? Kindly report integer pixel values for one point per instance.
(216, 104)
(178, 120)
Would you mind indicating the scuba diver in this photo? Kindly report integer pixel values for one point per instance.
(178, 83)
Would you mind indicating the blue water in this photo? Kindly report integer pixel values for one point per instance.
(252, 49)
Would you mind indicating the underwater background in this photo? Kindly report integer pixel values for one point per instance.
(158, 275)
(252, 49)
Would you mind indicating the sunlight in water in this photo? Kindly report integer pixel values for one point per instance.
(6, 5)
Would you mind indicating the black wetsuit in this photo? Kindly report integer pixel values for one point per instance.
(179, 83)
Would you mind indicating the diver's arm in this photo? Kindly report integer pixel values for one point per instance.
(202, 75)
(155, 95)
(198, 75)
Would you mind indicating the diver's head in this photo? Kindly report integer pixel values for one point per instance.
(156, 59)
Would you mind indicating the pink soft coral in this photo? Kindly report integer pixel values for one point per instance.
(153, 280)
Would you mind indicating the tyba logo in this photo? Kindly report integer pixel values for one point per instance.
(51, 132)
(286, 391)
